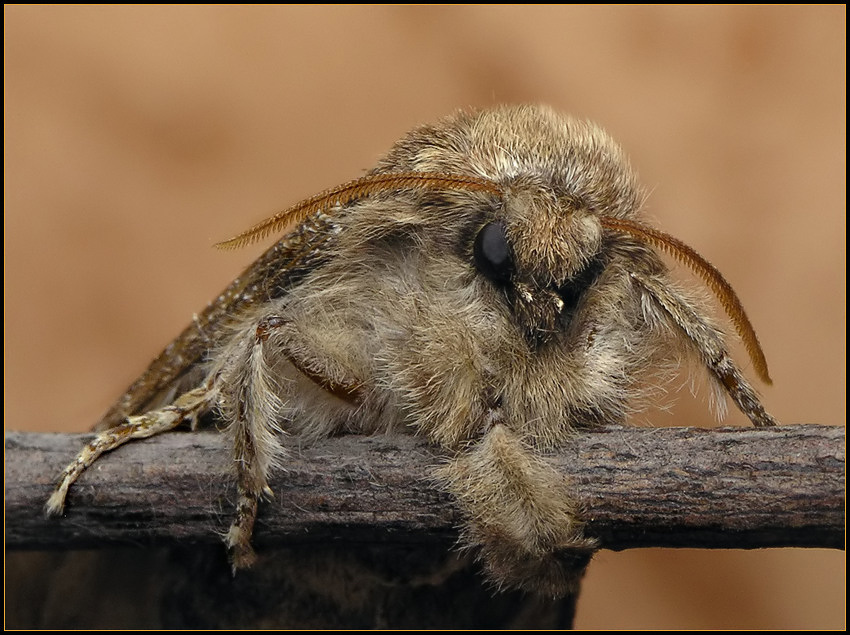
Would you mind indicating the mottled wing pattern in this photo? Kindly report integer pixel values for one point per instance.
(270, 276)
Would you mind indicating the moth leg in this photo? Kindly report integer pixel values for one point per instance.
(520, 515)
(267, 382)
(188, 406)
(253, 408)
(708, 342)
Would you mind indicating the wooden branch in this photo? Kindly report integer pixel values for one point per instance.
(679, 487)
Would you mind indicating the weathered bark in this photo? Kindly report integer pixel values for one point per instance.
(358, 537)
(681, 487)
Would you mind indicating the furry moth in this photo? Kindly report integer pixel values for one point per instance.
(488, 284)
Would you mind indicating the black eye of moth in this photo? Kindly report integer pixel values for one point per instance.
(492, 253)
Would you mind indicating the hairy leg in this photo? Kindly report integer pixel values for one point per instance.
(708, 343)
(186, 407)
(520, 515)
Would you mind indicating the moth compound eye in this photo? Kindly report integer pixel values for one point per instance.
(492, 253)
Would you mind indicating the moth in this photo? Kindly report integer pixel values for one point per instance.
(489, 284)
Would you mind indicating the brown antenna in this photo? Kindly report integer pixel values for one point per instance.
(354, 190)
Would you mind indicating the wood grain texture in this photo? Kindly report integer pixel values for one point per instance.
(679, 487)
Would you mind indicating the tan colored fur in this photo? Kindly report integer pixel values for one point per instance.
(395, 328)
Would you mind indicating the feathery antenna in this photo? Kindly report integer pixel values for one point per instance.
(354, 190)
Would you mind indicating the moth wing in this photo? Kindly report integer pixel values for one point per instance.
(179, 367)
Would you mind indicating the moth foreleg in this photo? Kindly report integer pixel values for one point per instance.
(707, 342)
(520, 515)
(188, 406)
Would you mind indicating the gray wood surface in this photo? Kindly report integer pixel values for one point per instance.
(681, 487)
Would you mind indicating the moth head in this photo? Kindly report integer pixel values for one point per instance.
(558, 189)
(544, 252)
(557, 176)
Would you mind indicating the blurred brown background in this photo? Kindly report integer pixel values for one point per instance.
(135, 137)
